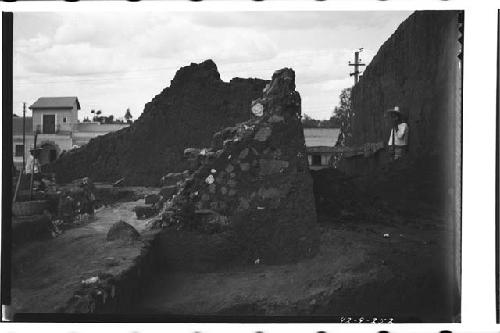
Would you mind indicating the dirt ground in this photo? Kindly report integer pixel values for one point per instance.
(378, 259)
(358, 272)
(46, 273)
(387, 251)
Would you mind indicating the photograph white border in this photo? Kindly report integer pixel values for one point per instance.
(479, 136)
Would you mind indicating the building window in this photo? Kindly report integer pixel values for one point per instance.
(64, 120)
(316, 159)
(19, 150)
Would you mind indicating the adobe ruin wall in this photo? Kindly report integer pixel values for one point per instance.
(186, 114)
(418, 69)
(253, 187)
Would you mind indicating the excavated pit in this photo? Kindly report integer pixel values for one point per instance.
(356, 272)
(388, 231)
(326, 245)
(247, 201)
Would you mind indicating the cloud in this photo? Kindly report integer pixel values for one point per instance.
(27, 24)
(106, 29)
(73, 60)
(117, 60)
(104, 44)
(297, 20)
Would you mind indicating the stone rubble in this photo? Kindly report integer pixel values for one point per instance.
(122, 231)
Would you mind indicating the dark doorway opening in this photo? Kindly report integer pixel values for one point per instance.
(316, 159)
(49, 123)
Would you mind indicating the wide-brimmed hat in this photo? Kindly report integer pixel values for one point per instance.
(394, 110)
(35, 150)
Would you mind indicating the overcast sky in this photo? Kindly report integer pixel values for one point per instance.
(115, 61)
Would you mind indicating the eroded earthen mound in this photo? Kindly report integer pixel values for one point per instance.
(254, 184)
(196, 105)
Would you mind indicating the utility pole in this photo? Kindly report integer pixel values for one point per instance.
(357, 64)
(24, 137)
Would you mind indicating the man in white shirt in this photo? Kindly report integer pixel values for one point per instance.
(32, 166)
(398, 140)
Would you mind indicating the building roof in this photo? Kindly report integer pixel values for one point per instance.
(17, 126)
(56, 103)
(321, 149)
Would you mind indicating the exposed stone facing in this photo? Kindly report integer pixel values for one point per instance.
(257, 187)
(186, 114)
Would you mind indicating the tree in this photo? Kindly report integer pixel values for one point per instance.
(109, 119)
(343, 115)
(308, 122)
(344, 109)
(128, 116)
(97, 116)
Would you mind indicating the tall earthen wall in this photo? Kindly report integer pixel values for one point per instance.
(186, 114)
(417, 69)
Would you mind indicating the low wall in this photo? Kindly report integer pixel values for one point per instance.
(117, 294)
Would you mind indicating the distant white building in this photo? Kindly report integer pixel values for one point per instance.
(319, 146)
(56, 121)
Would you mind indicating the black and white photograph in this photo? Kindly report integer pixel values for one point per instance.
(246, 166)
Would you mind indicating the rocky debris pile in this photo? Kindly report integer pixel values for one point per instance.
(93, 293)
(122, 231)
(145, 212)
(155, 202)
(53, 210)
(253, 184)
(151, 199)
(196, 105)
(77, 201)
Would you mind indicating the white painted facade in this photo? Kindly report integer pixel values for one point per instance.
(61, 132)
